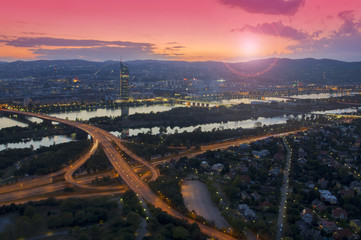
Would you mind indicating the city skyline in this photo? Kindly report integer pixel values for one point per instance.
(208, 30)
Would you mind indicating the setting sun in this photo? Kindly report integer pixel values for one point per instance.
(249, 47)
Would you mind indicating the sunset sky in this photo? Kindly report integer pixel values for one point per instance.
(191, 30)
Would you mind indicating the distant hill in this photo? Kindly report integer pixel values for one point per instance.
(272, 71)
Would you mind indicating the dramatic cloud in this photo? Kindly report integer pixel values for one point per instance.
(343, 43)
(342, 47)
(275, 29)
(276, 7)
(175, 48)
(83, 49)
(33, 33)
(349, 26)
(96, 53)
(61, 42)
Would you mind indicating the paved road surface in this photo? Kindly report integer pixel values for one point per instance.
(221, 145)
(284, 192)
(65, 196)
(107, 140)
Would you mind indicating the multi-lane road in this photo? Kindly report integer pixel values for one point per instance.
(110, 144)
(284, 192)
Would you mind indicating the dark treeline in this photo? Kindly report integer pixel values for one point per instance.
(169, 189)
(164, 226)
(59, 108)
(50, 159)
(9, 157)
(98, 162)
(34, 130)
(191, 116)
(149, 145)
(98, 218)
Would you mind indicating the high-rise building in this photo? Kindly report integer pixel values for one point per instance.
(124, 82)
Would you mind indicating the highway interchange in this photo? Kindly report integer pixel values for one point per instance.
(110, 144)
(112, 147)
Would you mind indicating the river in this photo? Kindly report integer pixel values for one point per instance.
(323, 95)
(85, 115)
(43, 142)
(245, 124)
(8, 122)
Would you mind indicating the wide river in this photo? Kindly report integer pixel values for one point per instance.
(249, 123)
(35, 144)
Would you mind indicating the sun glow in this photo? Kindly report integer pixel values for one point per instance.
(249, 47)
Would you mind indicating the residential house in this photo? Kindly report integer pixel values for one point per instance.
(355, 224)
(356, 186)
(275, 170)
(204, 164)
(265, 205)
(217, 167)
(347, 193)
(244, 195)
(278, 157)
(307, 215)
(328, 197)
(323, 183)
(302, 161)
(339, 213)
(327, 226)
(301, 153)
(318, 205)
(256, 196)
(246, 212)
(260, 154)
(341, 234)
(311, 234)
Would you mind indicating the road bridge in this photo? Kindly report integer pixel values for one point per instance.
(134, 182)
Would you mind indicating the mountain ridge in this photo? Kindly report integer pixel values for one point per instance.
(263, 71)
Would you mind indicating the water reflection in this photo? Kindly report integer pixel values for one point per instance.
(338, 111)
(245, 124)
(250, 123)
(249, 101)
(8, 122)
(125, 111)
(323, 95)
(85, 115)
(35, 144)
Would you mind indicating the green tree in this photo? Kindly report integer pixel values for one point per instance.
(29, 211)
(133, 218)
(37, 222)
(66, 219)
(180, 233)
(24, 227)
(79, 217)
(53, 221)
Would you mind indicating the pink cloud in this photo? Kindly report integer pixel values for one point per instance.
(102, 53)
(84, 48)
(275, 29)
(343, 43)
(276, 7)
(63, 42)
(349, 25)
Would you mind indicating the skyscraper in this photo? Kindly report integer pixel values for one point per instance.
(124, 82)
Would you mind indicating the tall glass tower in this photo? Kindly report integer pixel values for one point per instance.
(124, 82)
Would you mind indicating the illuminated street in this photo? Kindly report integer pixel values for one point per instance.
(127, 174)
